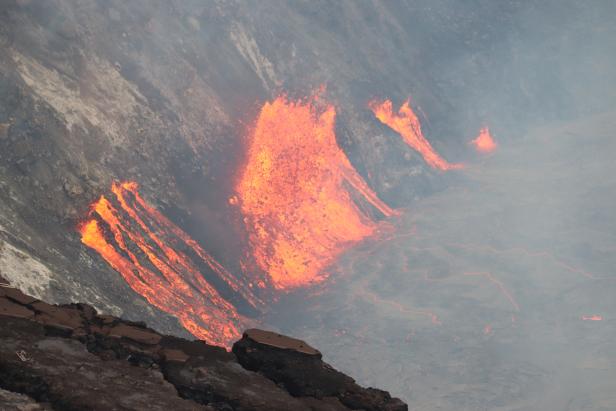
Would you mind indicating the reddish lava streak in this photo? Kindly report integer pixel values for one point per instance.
(592, 318)
(143, 246)
(489, 277)
(406, 123)
(294, 193)
(484, 143)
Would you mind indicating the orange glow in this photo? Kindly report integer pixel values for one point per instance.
(143, 246)
(592, 318)
(294, 193)
(484, 143)
(490, 278)
(406, 123)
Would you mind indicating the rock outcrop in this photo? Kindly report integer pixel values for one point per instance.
(300, 369)
(68, 357)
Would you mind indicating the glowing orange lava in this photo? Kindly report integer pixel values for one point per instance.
(143, 246)
(592, 318)
(484, 143)
(406, 123)
(294, 193)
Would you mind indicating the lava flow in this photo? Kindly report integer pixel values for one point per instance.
(144, 247)
(484, 143)
(294, 193)
(406, 123)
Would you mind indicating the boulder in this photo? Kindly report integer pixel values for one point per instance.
(299, 368)
(70, 357)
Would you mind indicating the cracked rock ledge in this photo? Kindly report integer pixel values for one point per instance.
(69, 357)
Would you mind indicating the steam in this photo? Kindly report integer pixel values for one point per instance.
(494, 290)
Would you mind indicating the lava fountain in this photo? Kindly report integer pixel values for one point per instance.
(144, 247)
(295, 193)
(406, 123)
(484, 143)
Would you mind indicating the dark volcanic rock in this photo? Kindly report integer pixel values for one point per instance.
(70, 358)
(62, 372)
(219, 382)
(299, 368)
(11, 401)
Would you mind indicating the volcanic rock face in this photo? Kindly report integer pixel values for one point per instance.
(160, 92)
(12, 401)
(299, 368)
(70, 358)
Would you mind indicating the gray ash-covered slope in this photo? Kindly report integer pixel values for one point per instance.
(161, 92)
(70, 358)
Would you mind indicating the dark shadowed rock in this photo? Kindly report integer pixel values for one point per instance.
(135, 334)
(299, 368)
(11, 401)
(62, 372)
(16, 295)
(212, 381)
(70, 358)
(7, 307)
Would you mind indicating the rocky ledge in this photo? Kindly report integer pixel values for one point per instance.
(69, 357)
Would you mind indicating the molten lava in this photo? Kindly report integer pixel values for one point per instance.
(144, 247)
(484, 143)
(406, 123)
(594, 317)
(294, 193)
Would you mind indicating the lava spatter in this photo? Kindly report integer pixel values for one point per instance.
(406, 123)
(484, 143)
(293, 193)
(144, 247)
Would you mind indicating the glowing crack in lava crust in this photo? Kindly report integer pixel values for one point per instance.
(143, 246)
(406, 123)
(484, 143)
(295, 193)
